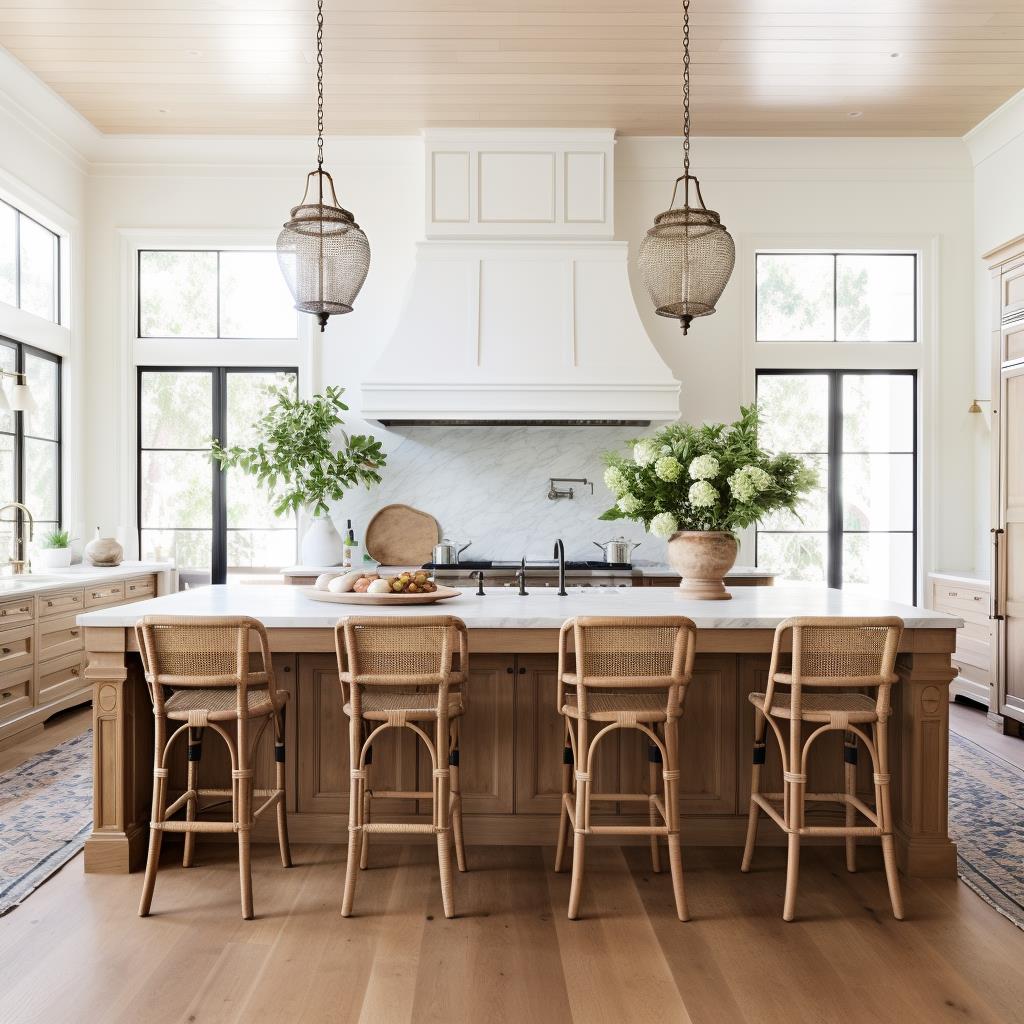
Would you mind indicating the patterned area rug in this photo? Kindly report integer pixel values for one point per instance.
(45, 816)
(986, 818)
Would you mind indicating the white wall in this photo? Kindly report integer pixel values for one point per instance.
(43, 174)
(764, 188)
(997, 148)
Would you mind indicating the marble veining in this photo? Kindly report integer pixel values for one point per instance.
(489, 485)
(751, 607)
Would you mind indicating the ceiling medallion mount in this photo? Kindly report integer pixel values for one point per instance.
(323, 253)
(687, 257)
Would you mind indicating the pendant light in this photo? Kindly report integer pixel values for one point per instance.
(322, 251)
(687, 257)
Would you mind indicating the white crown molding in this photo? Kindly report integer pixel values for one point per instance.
(1001, 127)
(33, 105)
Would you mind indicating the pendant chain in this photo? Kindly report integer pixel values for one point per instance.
(686, 87)
(320, 83)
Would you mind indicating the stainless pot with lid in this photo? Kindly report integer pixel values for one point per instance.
(618, 549)
(448, 551)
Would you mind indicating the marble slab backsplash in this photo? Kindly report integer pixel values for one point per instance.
(489, 485)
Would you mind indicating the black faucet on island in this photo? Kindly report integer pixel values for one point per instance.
(560, 555)
(521, 579)
(478, 575)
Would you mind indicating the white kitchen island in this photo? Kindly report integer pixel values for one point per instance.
(511, 740)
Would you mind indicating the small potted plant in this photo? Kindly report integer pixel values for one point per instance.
(55, 550)
(298, 461)
(697, 487)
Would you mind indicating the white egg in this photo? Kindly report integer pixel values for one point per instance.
(338, 586)
(379, 587)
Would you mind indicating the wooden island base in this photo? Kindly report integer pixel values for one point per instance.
(512, 743)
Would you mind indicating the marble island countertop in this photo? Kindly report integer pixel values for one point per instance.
(750, 608)
(46, 580)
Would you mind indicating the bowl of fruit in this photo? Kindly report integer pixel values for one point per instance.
(364, 587)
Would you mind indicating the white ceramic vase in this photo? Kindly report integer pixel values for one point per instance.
(53, 558)
(321, 543)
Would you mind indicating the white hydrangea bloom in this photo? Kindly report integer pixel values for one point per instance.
(629, 504)
(663, 525)
(644, 452)
(615, 480)
(668, 468)
(703, 494)
(761, 479)
(704, 467)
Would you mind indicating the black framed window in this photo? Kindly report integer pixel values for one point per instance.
(29, 264)
(213, 293)
(214, 524)
(858, 530)
(836, 296)
(30, 445)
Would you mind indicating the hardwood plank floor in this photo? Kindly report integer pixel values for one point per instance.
(77, 952)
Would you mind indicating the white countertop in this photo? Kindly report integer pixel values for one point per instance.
(736, 572)
(966, 577)
(76, 575)
(280, 606)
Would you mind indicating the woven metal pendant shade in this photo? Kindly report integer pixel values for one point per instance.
(323, 252)
(686, 259)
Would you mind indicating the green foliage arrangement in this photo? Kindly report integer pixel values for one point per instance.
(296, 459)
(56, 539)
(712, 477)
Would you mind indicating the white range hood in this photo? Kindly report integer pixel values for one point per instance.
(520, 309)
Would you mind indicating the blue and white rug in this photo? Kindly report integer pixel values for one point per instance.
(986, 819)
(45, 816)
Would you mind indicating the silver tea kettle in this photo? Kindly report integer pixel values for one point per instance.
(447, 552)
(617, 550)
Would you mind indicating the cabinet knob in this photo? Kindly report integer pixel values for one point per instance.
(5, 650)
(510, 670)
(522, 670)
(5, 694)
(75, 670)
(49, 604)
(74, 632)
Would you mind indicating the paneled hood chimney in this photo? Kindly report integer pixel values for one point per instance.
(519, 309)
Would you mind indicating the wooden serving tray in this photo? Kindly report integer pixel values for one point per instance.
(441, 594)
(402, 535)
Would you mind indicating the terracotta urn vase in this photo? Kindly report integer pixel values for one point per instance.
(702, 558)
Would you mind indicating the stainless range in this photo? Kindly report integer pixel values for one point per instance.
(539, 573)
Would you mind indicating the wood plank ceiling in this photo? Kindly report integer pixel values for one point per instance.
(760, 67)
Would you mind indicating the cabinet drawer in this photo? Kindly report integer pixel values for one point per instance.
(15, 692)
(62, 603)
(104, 593)
(1013, 343)
(59, 677)
(58, 636)
(140, 589)
(16, 647)
(17, 613)
(973, 673)
(949, 597)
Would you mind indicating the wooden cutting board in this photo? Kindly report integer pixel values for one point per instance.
(402, 535)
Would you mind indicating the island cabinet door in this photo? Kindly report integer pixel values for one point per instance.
(485, 739)
(707, 742)
(540, 741)
(322, 740)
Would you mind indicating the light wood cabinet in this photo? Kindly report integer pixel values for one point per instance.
(970, 598)
(1006, 666)
(42, 659)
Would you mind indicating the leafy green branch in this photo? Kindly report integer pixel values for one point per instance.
(295, 458)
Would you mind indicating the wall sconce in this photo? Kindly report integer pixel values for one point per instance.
(975, 406)
(20, 399)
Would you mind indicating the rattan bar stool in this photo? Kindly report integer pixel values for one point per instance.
(400, 672)
(631, 673)
(198, 673)
(828, 654)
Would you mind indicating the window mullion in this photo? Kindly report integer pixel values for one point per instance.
(835, 483)
(219, 555)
